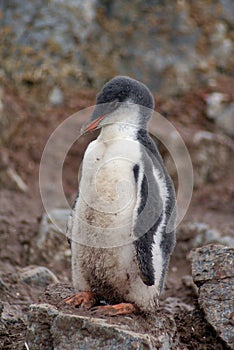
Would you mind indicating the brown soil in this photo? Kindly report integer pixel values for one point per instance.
(20, 213)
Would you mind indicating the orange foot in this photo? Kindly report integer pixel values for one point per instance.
(113, 310)
(84, 299)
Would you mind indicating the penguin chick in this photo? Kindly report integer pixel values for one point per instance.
(122, 225)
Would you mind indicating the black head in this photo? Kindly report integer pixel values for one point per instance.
(114, 94)
(121, 89)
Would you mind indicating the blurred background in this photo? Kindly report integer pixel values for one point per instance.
(54, 57)
(171, 46)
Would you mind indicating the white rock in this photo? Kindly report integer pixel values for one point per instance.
(214, 103)
(56, 97)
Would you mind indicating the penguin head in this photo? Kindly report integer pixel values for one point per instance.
(120, 96)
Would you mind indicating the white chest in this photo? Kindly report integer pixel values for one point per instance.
(107, 175)
(107, 192)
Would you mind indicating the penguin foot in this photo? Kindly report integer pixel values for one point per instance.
(114, 310)
(83, 299)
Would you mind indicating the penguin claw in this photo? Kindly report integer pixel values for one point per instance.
(114, 310)
(82, 299)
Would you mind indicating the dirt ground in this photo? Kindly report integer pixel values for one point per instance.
(20, 213)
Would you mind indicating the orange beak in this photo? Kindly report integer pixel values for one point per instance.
(93, 125)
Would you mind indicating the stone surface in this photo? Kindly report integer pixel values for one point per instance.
(49, 328)
(51, 244)
(37, 276)
(212, 262)
(216, 299)
(213, 272)
(92, 41)
(39, 322)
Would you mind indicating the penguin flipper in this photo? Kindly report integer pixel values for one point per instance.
(148, 217)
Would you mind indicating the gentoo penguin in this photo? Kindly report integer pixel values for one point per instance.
(122, 225)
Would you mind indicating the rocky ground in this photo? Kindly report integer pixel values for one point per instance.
(195, 310)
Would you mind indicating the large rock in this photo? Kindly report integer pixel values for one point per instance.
(49, 328)
(212, 270)
(216, 299)
(52, 324)
(93, 40)
(212, 262)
